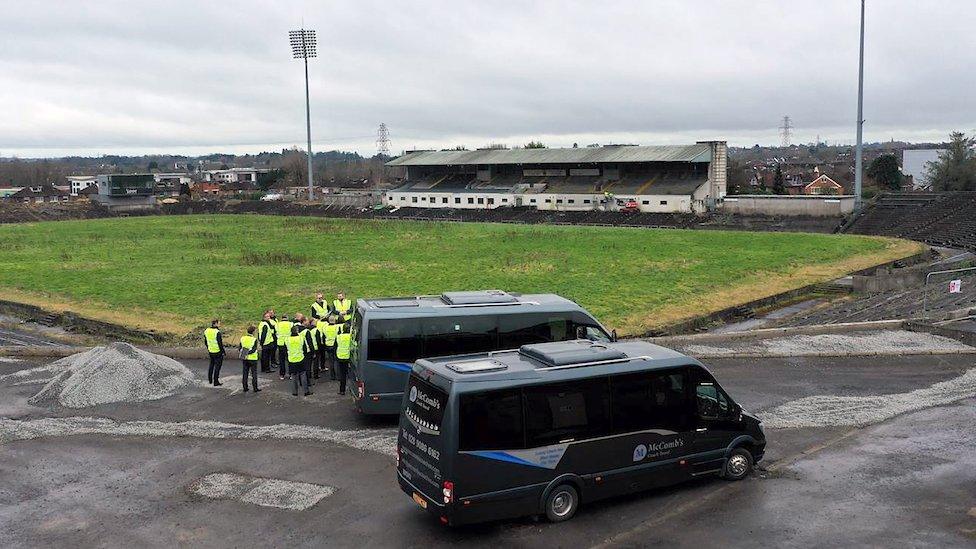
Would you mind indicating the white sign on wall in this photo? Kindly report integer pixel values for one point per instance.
(955, 286)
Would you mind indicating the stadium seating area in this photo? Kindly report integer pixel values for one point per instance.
(653, 180)
(939, 219)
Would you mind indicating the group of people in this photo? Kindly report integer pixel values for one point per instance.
(302, 348)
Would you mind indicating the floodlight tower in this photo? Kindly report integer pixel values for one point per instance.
(303, 47)
(858, 153)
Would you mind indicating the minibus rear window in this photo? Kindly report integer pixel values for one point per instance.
(425, 407)
(491, 421)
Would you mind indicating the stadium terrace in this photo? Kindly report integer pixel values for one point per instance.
(670, 179)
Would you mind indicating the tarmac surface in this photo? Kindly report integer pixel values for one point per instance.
(130, 474)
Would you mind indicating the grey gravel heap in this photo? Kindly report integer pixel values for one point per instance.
(116, 373)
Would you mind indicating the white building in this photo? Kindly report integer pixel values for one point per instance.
(234, 175)
(915, 163)
(685, 178)
(77, 183)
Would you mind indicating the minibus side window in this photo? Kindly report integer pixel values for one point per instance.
(563, 412)
(395, 340)
(460, 335)
(650, 400)
(491, 421)
(712, 402)
(517, 330)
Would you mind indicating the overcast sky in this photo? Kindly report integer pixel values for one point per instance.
(194, 77)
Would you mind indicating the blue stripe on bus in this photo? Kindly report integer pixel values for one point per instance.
(401, 366)
(502, 456)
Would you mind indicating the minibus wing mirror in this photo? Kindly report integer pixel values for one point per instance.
(613, 335)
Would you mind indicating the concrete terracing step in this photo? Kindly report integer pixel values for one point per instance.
(49, 320)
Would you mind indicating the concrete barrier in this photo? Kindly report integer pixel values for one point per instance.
(805, 205)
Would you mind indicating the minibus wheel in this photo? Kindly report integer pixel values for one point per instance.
(562, 503)
(737, 465)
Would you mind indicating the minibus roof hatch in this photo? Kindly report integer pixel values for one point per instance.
(478, 298)
(570, 353)
(479, 366)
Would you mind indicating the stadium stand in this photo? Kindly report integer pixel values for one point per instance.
(938, 219)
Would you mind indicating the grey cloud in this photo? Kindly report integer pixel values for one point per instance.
(198, 76)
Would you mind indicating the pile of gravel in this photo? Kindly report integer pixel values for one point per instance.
(116, 373)
(857, 343)
(850, 411)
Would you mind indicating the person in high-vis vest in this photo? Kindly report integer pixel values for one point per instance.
(215, 348)
(266, 335)
(312, 339)
(282, 333)
(296, 346)
(330, 332)
(323, 355)
(343, 352)
(249, 358)
(319, 307)
(342, 307)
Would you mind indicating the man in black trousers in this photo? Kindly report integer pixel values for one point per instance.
(215, 348)
(266, 335)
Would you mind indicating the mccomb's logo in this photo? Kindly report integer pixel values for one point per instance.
(641, 451)
(416, 395)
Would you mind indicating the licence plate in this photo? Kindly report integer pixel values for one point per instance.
(420, 500)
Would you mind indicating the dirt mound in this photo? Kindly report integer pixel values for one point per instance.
(116, 373)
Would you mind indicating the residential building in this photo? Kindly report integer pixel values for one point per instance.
(823, 184)
(76, 183)
(40, 194)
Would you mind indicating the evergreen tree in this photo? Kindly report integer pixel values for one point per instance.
(884, 170)
(956, 168)
(779, 185)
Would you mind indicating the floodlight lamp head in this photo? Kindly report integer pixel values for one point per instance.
(302, 43)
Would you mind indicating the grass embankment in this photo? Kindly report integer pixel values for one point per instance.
(172, 274)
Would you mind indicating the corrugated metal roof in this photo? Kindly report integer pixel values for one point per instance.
(699, 152)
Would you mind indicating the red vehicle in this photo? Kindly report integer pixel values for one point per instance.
(630, 206)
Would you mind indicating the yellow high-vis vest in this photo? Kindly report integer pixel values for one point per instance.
(247, 342)
(320, 309)
(283, 330)
(331, 331)
(343, 308)
(269, 335)
(296, 348)
(210, 334)
(343, 344)
(312, 336)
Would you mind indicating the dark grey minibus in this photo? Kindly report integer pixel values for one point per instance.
(547, 427)
(389, 334)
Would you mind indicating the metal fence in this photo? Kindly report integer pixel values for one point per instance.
(947, 293)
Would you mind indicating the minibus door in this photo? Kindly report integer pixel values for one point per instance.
(716, 427)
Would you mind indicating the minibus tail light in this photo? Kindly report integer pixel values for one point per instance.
(448, 491)
(360, 389)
